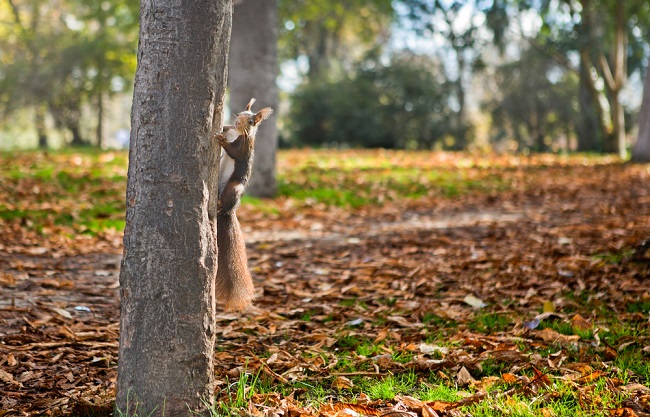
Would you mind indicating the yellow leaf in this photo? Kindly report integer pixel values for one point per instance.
(548, 307)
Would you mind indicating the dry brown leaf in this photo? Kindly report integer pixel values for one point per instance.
(592, 377)
(346, 409)
(11, 359)
(382, 335)
(547, 412)
(610, 353)
(440, 405)
(484, 383)
(398, 413)
(428, 411)
(549, 335)
(8, 379)
(341, 382)
(464, 378)
(622, 412)
(580, 323)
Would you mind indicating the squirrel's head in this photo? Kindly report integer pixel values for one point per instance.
(246, 122)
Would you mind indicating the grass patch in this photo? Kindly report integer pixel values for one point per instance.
(490, 323)
(388, 387)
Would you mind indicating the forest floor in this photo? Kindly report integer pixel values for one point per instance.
(388, 283)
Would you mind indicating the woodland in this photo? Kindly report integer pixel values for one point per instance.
(449, 214)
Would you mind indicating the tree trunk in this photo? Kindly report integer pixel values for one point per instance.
(77, 139)
(253, 70)
(100, 120)
(641, 150)
(618, 126)
(169, 263)
(39, 121)
(615, 79)
(588, 128)
(317, 55)
(460, 141)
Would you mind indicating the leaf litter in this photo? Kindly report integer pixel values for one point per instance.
(514, 296)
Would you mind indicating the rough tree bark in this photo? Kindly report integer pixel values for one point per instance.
(253, 70)
(641, 150)
(169, 262)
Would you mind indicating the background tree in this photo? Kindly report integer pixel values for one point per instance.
(533, 102)
(169, 265)
(400, 104)
(600, 32)
(332, 35)
(107, 39)
(457, 23)
(60, 57)
(253, 69)
(641, 150)
(30, 43)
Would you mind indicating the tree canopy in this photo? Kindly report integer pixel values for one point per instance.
(62, 62)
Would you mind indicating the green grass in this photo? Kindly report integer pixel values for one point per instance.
(84, 188)
(388, 387)
(490, 323)
(439, 392)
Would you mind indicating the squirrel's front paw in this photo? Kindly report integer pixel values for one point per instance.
(221, 139)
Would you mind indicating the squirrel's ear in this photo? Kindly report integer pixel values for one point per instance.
(263, 114)
(250, 104)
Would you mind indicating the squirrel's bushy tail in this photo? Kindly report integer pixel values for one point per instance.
(234, 286)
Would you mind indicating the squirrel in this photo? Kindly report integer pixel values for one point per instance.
(234, 285)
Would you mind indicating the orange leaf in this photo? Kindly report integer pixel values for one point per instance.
(592, 377)
(622, 412)
(383, 334)
(579, 323)
(509, 378)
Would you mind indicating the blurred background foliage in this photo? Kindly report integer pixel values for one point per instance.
(514, 75)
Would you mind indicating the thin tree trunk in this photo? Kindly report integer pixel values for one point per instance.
(100, 120)
(253, 70)
(588, 128)
(167, 332)
(615, 79)
(39, 121)
(618, 125)
(460, 141)
(641, 150)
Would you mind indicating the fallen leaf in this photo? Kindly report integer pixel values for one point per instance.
(548, 307)
(550, 335)
(341, 382)
(474, 301)
(381, 336)
(592, 377)
(11, 360)
(61, 312)
(428, 411)
(427, 349)
(509, 378)
(464, 378)
(8, 379)
(398, 413)
(622, 412)
(579, 323)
